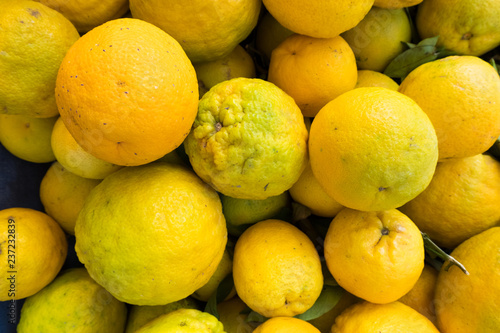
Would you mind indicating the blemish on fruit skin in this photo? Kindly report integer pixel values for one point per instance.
(33, 12)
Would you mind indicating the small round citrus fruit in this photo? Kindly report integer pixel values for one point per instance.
(33, 250)
(460, 202)
(242, 213)
(377, 256)
(463, 26)
(34, 40)
(366, 317)
(206, 29)
(379, 37)
(238, 63)
(369, 78)
(151, 234)
(461, 96)
(88, 14)
(28, 137)
(308, 192)
(372, 149)
(469, 303)
(139, 315)
(276, 269)
(127, 92)
(74, 158)
(269, 33)
(184, 321)
(224, 268)
(393, 4)
(249, 139)
(320, 19)
(63, 193)
(233, 315)
(313, 70)
(73, 302)
(421, 296)
(285, 325)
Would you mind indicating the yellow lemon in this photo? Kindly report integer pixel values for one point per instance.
(460, 202)
(309, 192)
(184, 321)
(206, 29)
(421, 296)
(366, 317)
(63, 193)
(369, 78)
(461, 96)
(151, 234)
(33, 250)
(224, 268)
(276, 269)
(73, 302)
(393, 4)
(284, 325)
(33, 42)
(469, 303)
(372, 149)
(233, 314)
(139, 315)
(377, 256)
(242, 213)
(320, 19)
(74, 158)
(238, 63)
(379, 37)
(249, 139)
(269, 33)
(88, 14)
(463, 26)
(28, 137)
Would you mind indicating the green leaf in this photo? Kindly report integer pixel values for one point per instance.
(255, 317)
(410, 59)
(435, 251)
(326, 301)
(223, 290)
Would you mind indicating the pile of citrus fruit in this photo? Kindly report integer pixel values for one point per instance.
(252, 166)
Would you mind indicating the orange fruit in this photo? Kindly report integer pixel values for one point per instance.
(460, 202)
(206, 29)
(313, 70)
(276, 269)
(127, 92)
(320, 19)
(372, 149)
(461, 96)
(469, 303)
(377, 256)
(285, 325)
(421, 296)
(366, 317)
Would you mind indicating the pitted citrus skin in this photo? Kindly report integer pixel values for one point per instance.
(249, 139)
